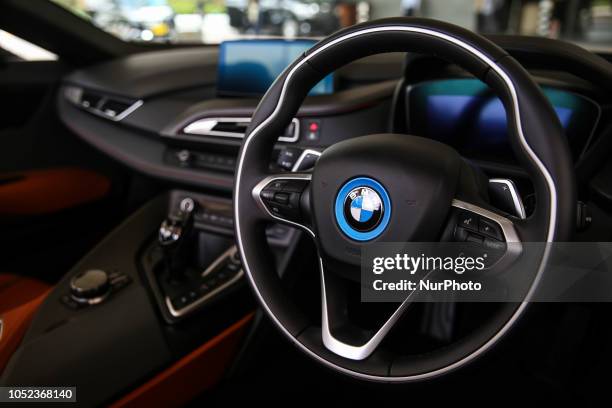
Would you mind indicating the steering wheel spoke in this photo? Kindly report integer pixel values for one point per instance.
(285, 198)
(339, 335)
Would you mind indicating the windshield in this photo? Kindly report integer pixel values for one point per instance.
(587, 22)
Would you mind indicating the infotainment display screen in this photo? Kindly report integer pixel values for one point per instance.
(467, 115)
(248, 67)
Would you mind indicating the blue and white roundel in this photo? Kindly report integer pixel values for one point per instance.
(365, 202)
(362, 209)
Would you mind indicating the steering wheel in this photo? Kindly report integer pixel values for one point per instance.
(417, 183)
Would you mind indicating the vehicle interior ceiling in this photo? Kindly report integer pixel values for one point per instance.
(117, 164)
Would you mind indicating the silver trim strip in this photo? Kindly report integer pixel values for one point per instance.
(550, 184)
(516, 198)
(205, 126)
(117, 118)
(126, 112)
(192, 306)
(348, 350)
(1, 328)
(92, 301)
(506, 225)
(510, 235)
(260, 186)
(296, 166)
(74, 94)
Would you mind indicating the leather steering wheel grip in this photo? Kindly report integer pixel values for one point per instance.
(536, 137)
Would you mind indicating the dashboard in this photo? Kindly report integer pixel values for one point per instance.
(180, 114)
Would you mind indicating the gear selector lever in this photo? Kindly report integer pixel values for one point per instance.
(173, 237)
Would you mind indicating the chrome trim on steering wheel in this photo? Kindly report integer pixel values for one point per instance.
(263, 183)
(506, 225)
(305, 153)
(350, 351)
(516, 198)
(510, 235)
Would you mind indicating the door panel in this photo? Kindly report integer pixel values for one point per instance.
(58, 196)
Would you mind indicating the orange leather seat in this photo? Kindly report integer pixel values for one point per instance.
(19, 300)
(16, 291)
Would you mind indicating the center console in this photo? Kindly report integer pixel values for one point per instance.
(163, 283)
(193, 261)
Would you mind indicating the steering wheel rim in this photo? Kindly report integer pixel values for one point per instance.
(536, 137)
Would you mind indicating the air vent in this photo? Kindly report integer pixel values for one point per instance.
(90, 100)
(113, 108)
(235, 128)
(110, 107)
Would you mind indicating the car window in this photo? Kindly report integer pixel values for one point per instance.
(587, 22)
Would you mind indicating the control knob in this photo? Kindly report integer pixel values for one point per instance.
(90, 286)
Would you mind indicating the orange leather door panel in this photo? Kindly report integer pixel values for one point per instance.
(39, 192)
(19, 300)
(192, 374)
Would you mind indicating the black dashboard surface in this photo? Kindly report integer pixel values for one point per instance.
(148, 74)
(164, 92)
(152, 73)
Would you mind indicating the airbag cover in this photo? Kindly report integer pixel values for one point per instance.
(420, 176)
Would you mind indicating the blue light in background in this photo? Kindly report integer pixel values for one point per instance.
(480, 118)
(249, 67)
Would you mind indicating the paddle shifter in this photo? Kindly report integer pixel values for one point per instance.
(173, 238)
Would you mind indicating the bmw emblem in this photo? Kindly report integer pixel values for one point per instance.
(363, 209)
